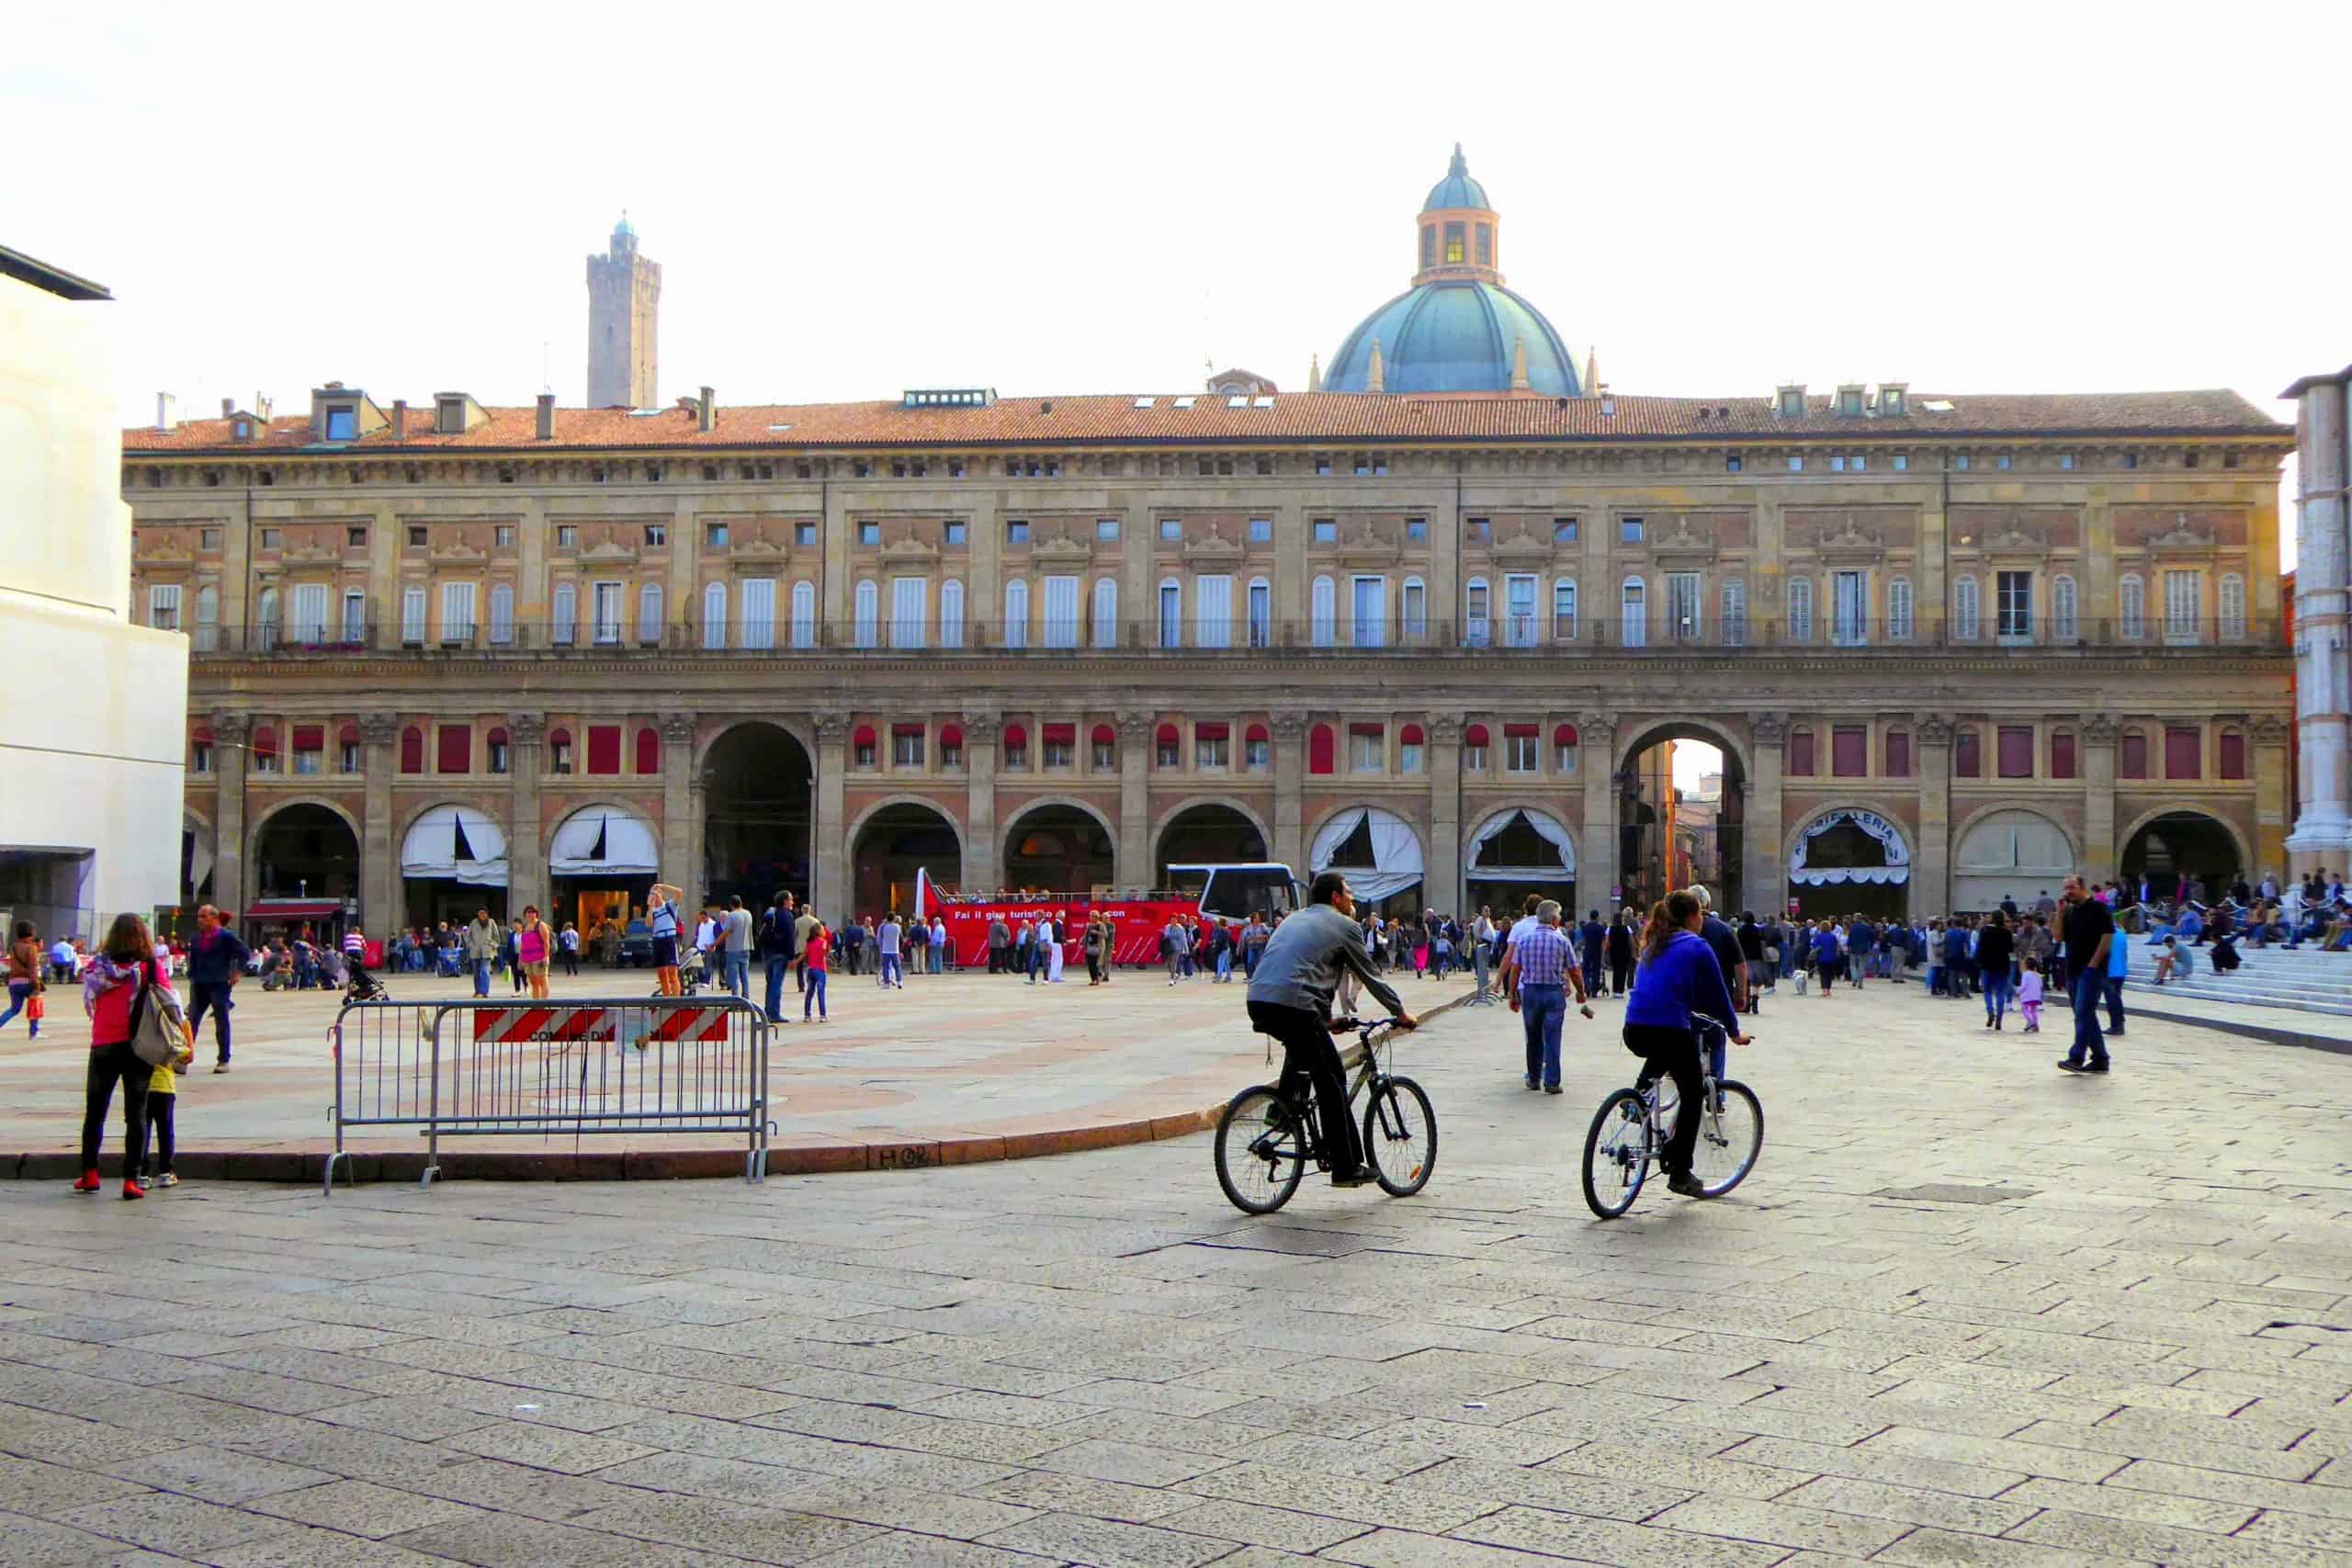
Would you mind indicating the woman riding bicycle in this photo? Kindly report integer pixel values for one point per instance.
(1290, 998)
(1679, 976)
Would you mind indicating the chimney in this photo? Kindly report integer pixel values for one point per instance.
(706, 415)
(400, 419)
(228, 407)
(165, 411)
(262, 406)
(546, 416)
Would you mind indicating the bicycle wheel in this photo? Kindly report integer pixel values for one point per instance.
(1616, 1154)
(1400, 1136)
(1261, 1150)
(1731, 1134)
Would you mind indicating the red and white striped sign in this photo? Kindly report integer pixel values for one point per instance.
(562, 1026)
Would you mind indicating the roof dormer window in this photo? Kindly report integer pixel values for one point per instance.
(1792, 403)
(449, 416)
(343, 421)
(1893, 399)
(1850, 402)
(244, 430)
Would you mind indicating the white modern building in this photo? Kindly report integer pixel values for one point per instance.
(92, 704)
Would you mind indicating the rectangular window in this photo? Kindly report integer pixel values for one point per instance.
(1172, 530)
(604, 749)
(1262, 530)
(2062, 756)
(1733, 463)
(1902, 462)
(310, 624)
(804, 533)
(1255, 753)
(309, 748)
(1455, 252)
(1261, 616)
(208, 539)
(2132, 755)
(1849, 750)
(1416, 604)
(413, 614)
(2013, 605)
(1371, 611)
(350, 756)
(1172, 615)
(1106, 529)
(1409, 756)
(456, 612)
(1213, 612)
(909, 609)
(759, 613)
(605, 598)
(1967, 755)
(164, 607)
(1521, 752)
(1796, 465)
(342, 424)
(567, 536)
(1326, 531)
(2181, 600)
(869, 532)
(356, 535)
(2015, 758)
(1473, 757)
(1629, 530)
(1475, 607)
(952, 532)
(1367, 749)
(1016, 530)
(416, 538)
(2233, 751)
(355, 617)
(455, 743)
(503, 536)
(1564, 610)
(1416, 530)
(1801, 754)
(2184, 753)
(1564, 530)
(1061, 611)
(1210, 750)
(1898, 754)
(906, 745)
(1682, 605)
(1478, 530)
(1519, 611)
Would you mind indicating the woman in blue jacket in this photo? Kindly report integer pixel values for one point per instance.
(1678, 977)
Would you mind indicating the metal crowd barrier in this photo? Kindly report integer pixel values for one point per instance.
(586, 1066)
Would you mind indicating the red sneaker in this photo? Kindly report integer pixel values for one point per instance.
(88, 1183)
(131, 1188)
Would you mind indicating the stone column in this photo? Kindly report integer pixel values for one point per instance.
(983, 855)
(1597, 854)
(1931, 856)
(2271, 803)
(527, 858)
(829, 832)
(1445, 884)
(1133, 870)
(230, 733)
(382, 907)
(1290, 802)
(679, 867)
(2100, 852)
(2323, 832)
(1764, 874)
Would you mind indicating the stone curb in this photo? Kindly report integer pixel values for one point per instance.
(2248, 1028)
(461, 1164)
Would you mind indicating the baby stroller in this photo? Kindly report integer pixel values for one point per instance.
(363, 987)
(693, 972)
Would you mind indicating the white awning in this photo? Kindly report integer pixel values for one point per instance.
(456, 842)
(604, 839)
(1896, 870)
(1547, 828)
(200, 850)
(1396, 852)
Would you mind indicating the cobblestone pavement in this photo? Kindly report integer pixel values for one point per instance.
(1968, 1310)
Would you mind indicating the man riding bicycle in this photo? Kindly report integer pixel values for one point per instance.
(1679, 975)
(1290, 998)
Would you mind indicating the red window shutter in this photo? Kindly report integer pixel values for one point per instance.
(265, 741)
(1515, 730)
(2232, 755)
(1211, 731)
(1474, 736)
(310, 737)
(604, 748)
(951, 735)
(1801, 754)
(1321, 747)
(1167, 735)
(2062, 756)
(497, 737)
(2184, 754)
(1968, 755)
(1372, 729)
(897, 729)
(1257, 732)
(1850, 751)
(865, 735)
(1016, 737)
(1898, 754)
(1061, 734)
(649, 750)
(1410, 735)
(1565, 735)
(2135, 754)
(411, 750)
(1107, 736)
(2017, 752)
(455, 746)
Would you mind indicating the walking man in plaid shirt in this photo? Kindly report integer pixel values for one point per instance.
(1544, 967)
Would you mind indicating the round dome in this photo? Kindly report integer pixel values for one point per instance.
(1454, 335)
(1457, 189)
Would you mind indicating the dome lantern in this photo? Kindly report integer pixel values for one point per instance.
(1461, 236)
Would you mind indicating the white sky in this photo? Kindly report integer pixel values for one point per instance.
(849, 200)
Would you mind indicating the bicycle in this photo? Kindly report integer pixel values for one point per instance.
(1633, 1124)
(1265, 1140)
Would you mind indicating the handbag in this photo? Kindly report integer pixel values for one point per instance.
(1771, 952)
(158, 1033)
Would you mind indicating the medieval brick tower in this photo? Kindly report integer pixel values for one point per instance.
(624, 290)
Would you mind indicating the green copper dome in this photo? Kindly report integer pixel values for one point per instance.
(1457, 189)
(1454, 336)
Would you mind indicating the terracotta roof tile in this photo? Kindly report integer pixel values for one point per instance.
(1297, 417)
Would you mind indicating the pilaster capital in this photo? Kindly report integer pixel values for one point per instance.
(1768, 728)
(1290, 727)
(1597, 729)
(832, 729)
(1134, 726)
(1445, 728)
(231, 728)
(526, 729)
(982, 728)
(677, 729)
(1933, 729)
(379, 728)
(2101, 728)
(2270, 731)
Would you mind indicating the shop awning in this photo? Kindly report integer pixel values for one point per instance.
(456, 844)
(602, 839)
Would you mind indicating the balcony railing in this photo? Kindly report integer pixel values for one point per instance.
(1503, 636)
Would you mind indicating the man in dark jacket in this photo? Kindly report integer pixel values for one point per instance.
(216, 961)
(1592, 939)
(778, 941)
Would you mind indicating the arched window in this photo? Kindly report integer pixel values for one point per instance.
(1800, 752)
(1564, 609)
(1016, 614)
(1325, 614)
(2131, 610)
(649, 616)
(1967, 611)
(1415, 608)
(2233, 608)
(1257, 748)
(1016, 748)
(1633, 614)
(266, 619)
(951, 614)
(1898, 609)
(1320, 748)
(2065, 616)
(500, 744)
(863, 747)
(411, 750)
(1105, 748)
(1171, 746)
(1733, 612)
(1563, 749)
(1474, 749)
(1171, 613)
(1474, 612)
(804, 615)
(558, 752)
(1411, 749)
(714, 614)
(867, 628)
(502, 613)
(1106, 612)
(413, 614)
(1261, 612)
(1800, 609)
(563, 616)
(648, 751)
(208, 618)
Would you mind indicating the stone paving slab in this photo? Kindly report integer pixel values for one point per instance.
(953, 1070)
(2141, 1358)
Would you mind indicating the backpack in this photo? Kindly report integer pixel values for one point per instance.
(158, 1031)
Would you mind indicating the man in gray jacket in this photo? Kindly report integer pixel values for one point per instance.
(1290, 998)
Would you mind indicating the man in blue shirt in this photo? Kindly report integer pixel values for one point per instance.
(1592, 941)
(216, 961)
(1859, 940)
(1544, 968)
